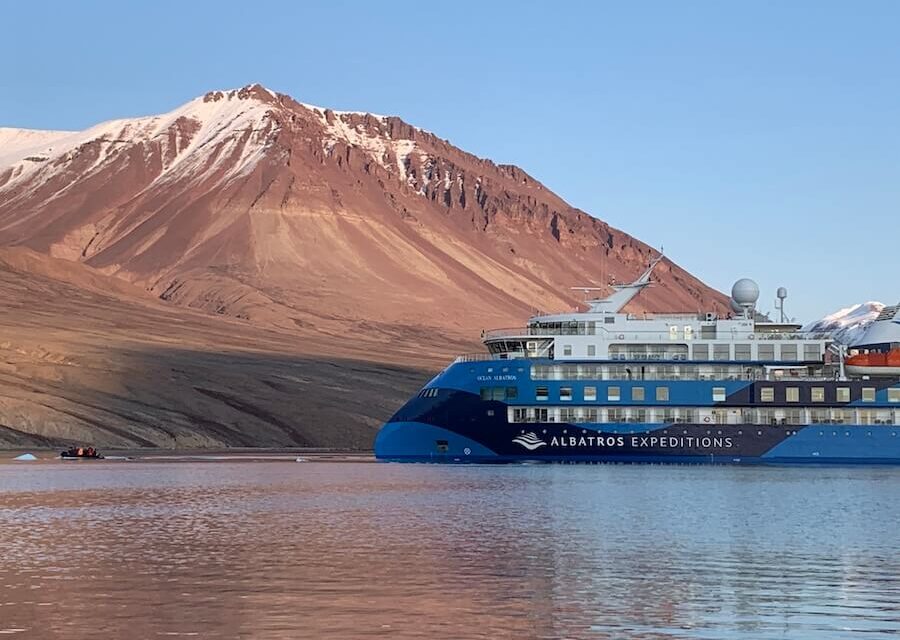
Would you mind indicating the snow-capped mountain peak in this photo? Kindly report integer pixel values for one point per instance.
(848, 324)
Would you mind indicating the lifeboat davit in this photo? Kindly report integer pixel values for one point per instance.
(874, 364)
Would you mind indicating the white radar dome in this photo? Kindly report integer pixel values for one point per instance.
(735, 306)
(745, 292)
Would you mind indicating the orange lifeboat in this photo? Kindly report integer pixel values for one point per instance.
(874, 364)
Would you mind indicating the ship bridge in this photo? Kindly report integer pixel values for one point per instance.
(605, 333)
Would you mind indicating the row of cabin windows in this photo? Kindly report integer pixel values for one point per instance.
(720, 351)
(719, 394)
(583, 371)
(703, 415)
(614, 394)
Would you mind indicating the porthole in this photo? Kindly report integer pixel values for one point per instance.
(718, 433)
(759, 433)
(834, 433)
(847, 433)
(584, 431)
(665, 433)
(544, 431)
(708, 432)
(740, 433)
(565, 431)
(490, 412)
(490, 369)
(821, 433)
(868, 433)
(685, 432)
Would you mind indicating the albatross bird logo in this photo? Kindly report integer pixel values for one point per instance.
(530, 441)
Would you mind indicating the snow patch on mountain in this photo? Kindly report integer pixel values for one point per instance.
(849, 324)
(222, 125)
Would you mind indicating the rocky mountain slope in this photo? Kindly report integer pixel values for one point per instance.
(250, 204)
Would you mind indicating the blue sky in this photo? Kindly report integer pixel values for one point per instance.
(755, 139)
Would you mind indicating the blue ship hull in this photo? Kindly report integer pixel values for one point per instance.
(450, 422)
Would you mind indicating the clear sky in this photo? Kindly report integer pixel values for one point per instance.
(755, 139)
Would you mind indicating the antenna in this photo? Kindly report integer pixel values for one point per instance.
(779, 304)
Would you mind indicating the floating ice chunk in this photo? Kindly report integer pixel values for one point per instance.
(26, 457)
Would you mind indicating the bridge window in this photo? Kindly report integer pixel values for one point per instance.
(767, 394)
(817, 394)
(811, 351)
(789, 352)
(592, 350)
(792, 394)
(701, 352)
(662, 394)
(843, 394)
(868, 394)
(766, 351)
(542, 393)
(719, 394)
(721, 351)
(512, 393)
(637, 394)
(590, 394)
(614, 394)
(565, 393)
(742, 352)
(893, 395)
(567, 350)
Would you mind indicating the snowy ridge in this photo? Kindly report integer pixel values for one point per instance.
(849, 324)
(224, 127)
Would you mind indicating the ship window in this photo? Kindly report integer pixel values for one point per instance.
(512, 393)
(893, 395)
(811, 351)
(789, 352)
(609, 320)
(868, 394)
(818, 394)
(766, 351)
(721, 352)
(592, 350)
(567, 350)
(590, 394)
(742, 352)
(718, 394)
(662, 394)
(565, 393)
(485, 393)
(843, 394)
(767, 394)
(701, 352)
(498, 393)
(792, 394)
(637, 394)
(542, 393)
(614, 394)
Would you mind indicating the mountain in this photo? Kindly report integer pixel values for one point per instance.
(249, 204)
(849, 324)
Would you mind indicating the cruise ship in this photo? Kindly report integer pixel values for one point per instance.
(604, 386)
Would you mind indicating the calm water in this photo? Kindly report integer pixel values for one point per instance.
(355, 550)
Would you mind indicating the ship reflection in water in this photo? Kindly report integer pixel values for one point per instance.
(352, 550)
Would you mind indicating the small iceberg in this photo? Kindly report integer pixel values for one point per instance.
(300, 460)
(26, 457)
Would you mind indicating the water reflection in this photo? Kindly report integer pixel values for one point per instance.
(286, 550)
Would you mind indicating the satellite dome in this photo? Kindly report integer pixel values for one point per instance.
(782, 293)
(745, 292)
(735, 306)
